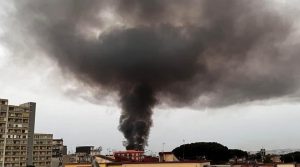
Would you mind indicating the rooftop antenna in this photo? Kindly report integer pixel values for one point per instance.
(163, 149)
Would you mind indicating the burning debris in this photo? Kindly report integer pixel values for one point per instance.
(213, 53)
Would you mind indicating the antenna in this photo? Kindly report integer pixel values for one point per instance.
(163, 148)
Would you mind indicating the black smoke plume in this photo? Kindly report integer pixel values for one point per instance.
(133, 123)
(203, 53)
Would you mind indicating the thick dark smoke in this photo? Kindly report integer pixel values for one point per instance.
(133, 123)
(193, 52)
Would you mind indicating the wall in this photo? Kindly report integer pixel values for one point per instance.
(31, 133)
(168, 158)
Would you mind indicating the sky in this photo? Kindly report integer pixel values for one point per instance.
(65, 108)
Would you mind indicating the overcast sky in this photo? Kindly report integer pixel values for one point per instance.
(64, 109)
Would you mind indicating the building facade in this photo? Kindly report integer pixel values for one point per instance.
(42, 150)
(16, 134)
(167, 157)
(83, 154)
(58, 148)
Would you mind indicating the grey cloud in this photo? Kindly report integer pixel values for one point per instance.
(226, 52)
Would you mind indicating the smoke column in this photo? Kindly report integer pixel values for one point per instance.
(133, 123)
(202, 53)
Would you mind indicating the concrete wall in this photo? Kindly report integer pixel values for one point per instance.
(55, 162)
(168, 158)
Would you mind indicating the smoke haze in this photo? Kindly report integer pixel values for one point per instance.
(208, 53)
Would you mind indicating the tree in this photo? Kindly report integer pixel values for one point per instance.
(236, 153)
(291, 157)
(215, 152)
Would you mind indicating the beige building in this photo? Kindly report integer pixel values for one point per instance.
(16, 134)
(42, 150)
(167, 157)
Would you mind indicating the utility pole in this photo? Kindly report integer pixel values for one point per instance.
(183, 149)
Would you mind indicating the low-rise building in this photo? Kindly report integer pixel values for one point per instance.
(275, 158)
(84, 154)
(129, 155)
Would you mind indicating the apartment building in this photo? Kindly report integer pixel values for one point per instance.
(58, 148)
(16, 134)
(42, 150)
